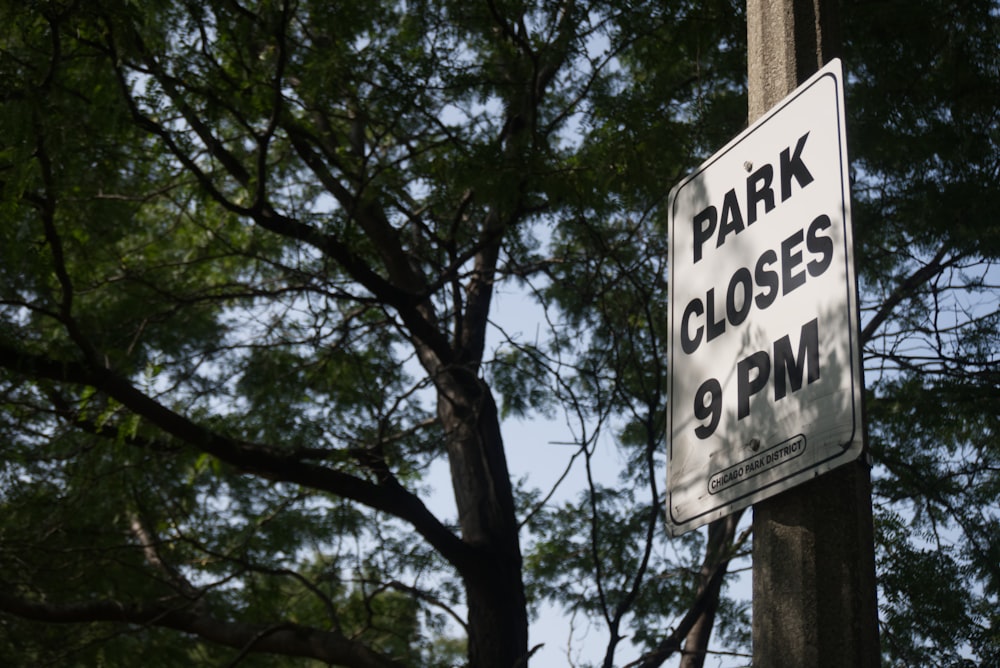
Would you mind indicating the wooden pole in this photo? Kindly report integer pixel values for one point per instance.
(814, 595)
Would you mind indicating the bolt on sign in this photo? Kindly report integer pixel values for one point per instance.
(765, 373)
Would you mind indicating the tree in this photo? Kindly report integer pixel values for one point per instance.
(243, 221)
(926, 136)
(250, 252)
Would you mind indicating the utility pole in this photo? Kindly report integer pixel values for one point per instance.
(814, 592)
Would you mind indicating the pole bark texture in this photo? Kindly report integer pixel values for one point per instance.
(814, 591)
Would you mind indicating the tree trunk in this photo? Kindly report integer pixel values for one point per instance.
(718, 553)
(498, 619)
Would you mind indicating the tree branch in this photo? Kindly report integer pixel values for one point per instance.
(705, 597)
(904, 290)
(285, 639)
(265, 461)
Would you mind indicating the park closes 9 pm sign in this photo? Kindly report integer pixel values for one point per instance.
(765, 381)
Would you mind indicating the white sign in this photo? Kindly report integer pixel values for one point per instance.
(765, 381)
